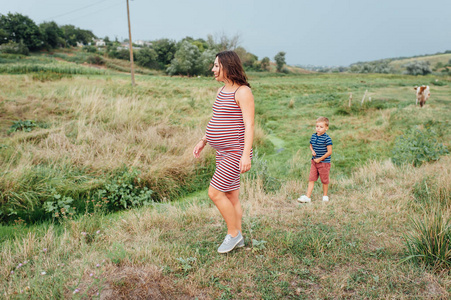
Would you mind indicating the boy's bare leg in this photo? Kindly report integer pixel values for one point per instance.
(325, 188)
(311, 184)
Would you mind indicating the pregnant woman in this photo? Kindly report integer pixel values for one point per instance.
(230, 132)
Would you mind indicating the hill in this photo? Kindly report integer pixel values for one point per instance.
(444, 59)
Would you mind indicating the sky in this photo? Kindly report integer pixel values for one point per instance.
(322, 32)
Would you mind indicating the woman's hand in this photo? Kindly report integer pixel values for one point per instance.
(198, 148)
(245, 163)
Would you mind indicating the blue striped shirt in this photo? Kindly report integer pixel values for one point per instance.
(319, 145)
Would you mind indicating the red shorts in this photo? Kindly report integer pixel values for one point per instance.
(319, 169)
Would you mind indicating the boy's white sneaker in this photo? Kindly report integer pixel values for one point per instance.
(325, 198)
(304, 199)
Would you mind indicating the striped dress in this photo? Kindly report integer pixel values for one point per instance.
(225, 133)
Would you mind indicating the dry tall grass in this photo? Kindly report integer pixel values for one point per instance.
(102, 129)
(168, 251)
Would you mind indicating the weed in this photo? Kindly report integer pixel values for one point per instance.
(25, 126)
(60, 207)
(123, 191)
(117, 254)
(417, 147)
(258, 246)
(186, 264)
(260, 171)
(44, 76)
(430, 242)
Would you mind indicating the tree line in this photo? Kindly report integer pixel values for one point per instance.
(19, 34)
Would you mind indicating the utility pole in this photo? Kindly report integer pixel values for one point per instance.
(131, 47)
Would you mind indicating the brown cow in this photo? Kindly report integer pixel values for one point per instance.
(423, 93)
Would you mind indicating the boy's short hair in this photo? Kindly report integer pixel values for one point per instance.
(323, 120)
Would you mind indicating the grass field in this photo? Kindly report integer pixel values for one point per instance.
(90, 126)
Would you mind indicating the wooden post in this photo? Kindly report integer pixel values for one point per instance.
(350, 99)
(363, 99)
(131, 46)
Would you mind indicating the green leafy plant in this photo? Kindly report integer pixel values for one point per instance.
(186, 263)
(20, 125)
(258, 245)
(123, 191)
(417, 147)
(60, 207)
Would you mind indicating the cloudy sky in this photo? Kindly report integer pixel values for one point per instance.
(323, 32)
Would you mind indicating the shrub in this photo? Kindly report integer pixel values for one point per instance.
(259, 171)
(417, 146)
(95, 60)
(90, 49)
(186, 60)
(123, 191)
(418, 68)
(430, 243)
(49, 76)
(60, 206)
(264, 64)
(147, 57)
(14, 48)
(280, 61)
(438, 82)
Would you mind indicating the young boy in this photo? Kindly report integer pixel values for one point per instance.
(321, 147)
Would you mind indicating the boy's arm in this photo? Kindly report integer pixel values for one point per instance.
(328, 153)
(313, 151)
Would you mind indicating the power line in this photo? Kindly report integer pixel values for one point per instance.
(78, 9)
(94, 12)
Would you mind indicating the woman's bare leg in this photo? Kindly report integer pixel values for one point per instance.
(226, 208)
(233, 197)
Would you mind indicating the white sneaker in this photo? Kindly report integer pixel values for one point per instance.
(304, 199)
(325, 198)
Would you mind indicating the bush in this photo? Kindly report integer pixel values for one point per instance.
(49, 76)
(147, 57)
(123, 191)
(264, 64)
(259, 171)
(417, 146)
(60, 206)
(14, 48)
(186, 60)
(430, 243)
(418, 68)
(438, 83)
(95, 60)
(90, 49)
(280, 60)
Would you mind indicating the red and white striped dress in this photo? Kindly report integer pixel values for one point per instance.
(225, 133)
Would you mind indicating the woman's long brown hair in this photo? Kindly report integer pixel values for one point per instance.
(232, 67)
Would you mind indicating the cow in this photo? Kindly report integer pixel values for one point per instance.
(423, 93)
